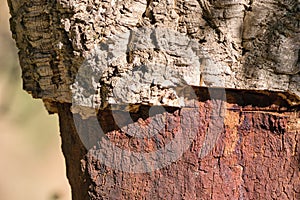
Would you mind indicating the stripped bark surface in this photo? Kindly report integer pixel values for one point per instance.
(256, 156)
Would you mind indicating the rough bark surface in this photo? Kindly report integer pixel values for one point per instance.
(96, 60)
(249, 44)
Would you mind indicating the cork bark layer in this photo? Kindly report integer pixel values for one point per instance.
(232, 44)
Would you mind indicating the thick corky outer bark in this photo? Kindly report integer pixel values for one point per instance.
(247, 48)
(248, 44)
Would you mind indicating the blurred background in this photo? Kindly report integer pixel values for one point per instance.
(32, 166)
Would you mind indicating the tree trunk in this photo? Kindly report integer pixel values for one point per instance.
(186, 99)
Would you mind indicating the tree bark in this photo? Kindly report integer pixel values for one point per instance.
(186, 99)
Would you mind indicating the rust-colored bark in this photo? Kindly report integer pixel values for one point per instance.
(256, 156)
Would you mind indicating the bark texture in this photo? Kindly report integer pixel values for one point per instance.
(256, 155)
(249, 44)
(126, 65)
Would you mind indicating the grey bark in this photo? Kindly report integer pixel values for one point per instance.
(248, 44)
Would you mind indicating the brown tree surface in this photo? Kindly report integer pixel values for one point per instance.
(185, 99)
